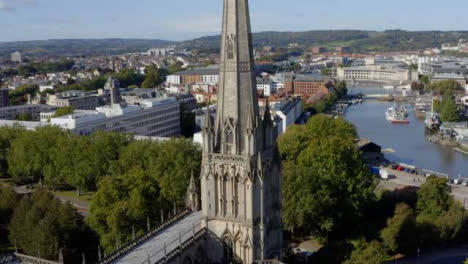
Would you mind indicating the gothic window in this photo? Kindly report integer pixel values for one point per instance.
(231, 46)
(229, 140)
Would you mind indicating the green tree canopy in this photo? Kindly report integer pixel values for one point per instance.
(153, 77)
(434, 197)
(149, 176)
(369, 253)
(41, 225)
(400, 233)
(449, 109)
(322, 171)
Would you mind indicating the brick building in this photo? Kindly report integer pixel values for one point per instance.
(311, 87)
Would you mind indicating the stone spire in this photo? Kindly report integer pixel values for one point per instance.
(193, 195)
(237, 95)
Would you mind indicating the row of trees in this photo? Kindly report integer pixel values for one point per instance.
(40, 225)
(149, 178)
(133, 180)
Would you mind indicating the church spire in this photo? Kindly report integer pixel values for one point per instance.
(237, 96)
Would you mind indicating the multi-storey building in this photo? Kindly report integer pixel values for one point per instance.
(76, 99)
(154, 117)
(310, 86)
(378, 73)
(200, 75)
(32, 110)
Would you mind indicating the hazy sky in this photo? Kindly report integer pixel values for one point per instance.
(186, 19)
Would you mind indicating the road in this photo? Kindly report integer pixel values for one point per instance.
(444, 256)
(81, 207)
(403, 179)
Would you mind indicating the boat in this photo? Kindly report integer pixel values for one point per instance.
(433, 120)
(395, 116)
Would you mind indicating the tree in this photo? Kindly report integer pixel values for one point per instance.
(176, 67)
(400, 233)
(437, 106)
(434, 197)
(7, 136)
(341, 88)
(149, 176)
(63, 111)
(153, 77)
(449, 109)
(426, 80)
(369, 253)
(41, 225)
(8, 201)
(122, 203)
(324, 171)
(442, 87)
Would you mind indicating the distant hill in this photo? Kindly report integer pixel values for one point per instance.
(360, 41)
(75, 47)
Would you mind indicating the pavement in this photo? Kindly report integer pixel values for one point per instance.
(155, 248)
(82, 207)
(401, 179)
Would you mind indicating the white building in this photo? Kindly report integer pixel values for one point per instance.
(269, 87)
(286, 113)
(154, 117)
(211, 79)
(174, 79)
(377, 73)
(16, 57)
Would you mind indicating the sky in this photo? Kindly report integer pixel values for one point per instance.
(187, 19)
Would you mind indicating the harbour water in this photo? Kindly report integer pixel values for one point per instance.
(408, 141)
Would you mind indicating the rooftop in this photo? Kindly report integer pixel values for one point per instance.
(199, 71)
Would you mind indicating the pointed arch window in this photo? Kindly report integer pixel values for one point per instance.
(229, 140)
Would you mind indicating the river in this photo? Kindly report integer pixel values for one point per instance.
(408, 141)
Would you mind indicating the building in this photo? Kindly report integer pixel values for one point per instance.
(287, 112)
(268, 87)
(378, 73)
(318, 50)
(343, 50)
(310, 86)
(370, 152)
(32, 110)
(4, 98)
(155, 117)
(16, 57)
(76, 99)
(238, 191)
(199, 75)
(235, 204)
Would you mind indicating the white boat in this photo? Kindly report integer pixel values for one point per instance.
(395, 116)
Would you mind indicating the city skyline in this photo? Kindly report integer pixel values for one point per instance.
(22, 20)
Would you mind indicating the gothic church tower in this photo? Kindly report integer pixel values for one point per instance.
(241, 177)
